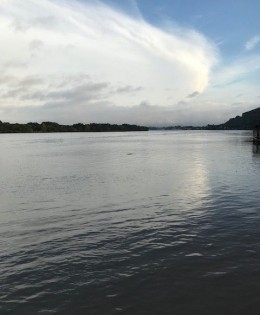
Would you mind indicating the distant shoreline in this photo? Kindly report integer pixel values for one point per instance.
(247, 121)
(53, 127)
(208, 127)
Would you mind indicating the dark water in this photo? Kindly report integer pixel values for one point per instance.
(132, 223)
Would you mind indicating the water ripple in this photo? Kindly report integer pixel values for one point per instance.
(88, 228)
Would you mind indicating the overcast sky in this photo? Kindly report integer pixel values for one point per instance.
(150, 62)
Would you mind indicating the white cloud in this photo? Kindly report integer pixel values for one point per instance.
(252, 42)
(240, 69)
(122, 60)
(68, 62)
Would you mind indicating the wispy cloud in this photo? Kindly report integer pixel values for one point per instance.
(252, 42)
(240, 69)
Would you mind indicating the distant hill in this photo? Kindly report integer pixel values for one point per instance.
(248, 120)
(47, 126)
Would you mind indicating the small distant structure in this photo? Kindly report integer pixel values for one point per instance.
(256, 134)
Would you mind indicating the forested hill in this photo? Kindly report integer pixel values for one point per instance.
(248, 120)
(47, 126)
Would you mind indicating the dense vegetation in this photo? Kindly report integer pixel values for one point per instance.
(47, 126)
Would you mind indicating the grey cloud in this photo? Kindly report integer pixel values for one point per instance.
(17, 87)
(71, 80)
(30, 81)
(48, 22)
(38, 96)
(13, 93)
(238, 104)
(86, 101)
(20, 25)
(36, 44)
(129, 89)
(170, 89)
(7, 79)
(182, 104)
(145, 104)
(100, 111)
(70, 99)
(80, 93)
(71, 89)
(194, 94)
(13, 64)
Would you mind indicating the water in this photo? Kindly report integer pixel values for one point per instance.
(130, 223)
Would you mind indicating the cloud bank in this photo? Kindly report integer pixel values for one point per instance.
(68, 61)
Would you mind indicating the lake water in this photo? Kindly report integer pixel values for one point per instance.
(130, 223)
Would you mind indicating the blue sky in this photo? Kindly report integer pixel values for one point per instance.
(129, 61)
(227, 22)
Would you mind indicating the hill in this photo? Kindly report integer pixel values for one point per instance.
(248, 120)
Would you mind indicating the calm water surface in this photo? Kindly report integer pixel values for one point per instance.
(130, 223)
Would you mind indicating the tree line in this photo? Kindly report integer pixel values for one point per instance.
(47, 126)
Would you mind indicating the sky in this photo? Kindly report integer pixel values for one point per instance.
(147, 62)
